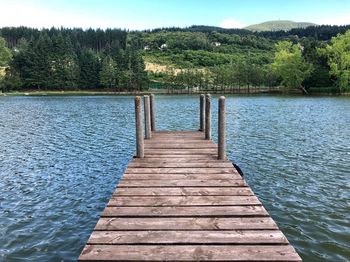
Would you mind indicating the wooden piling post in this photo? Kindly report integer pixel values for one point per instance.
(139, 128)
(202, 112)
(222, 129)
(208, 116)
(153, 112)
(147, 117)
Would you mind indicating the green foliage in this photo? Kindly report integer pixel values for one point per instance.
(205, 58)
(135, 76)
(11, 81)
(176, 40)
(290, 65)
(338, 56)
(195, 50)
(46, 63)
(90, 67)
(5, 53)
(50, 60)
(197, 57)
(108, 74)
(319, 76)
(63, 62)
(5, 58)
(232, 76)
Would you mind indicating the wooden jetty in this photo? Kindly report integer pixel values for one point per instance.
(181, 200)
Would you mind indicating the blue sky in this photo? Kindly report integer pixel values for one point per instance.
(142, 14)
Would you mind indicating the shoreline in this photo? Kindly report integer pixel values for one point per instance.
(157, 92)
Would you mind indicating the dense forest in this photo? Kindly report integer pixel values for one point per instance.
(201, 57)
(68, 59)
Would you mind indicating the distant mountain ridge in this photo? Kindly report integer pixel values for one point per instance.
(278, 25)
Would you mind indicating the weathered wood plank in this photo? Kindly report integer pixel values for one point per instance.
(185, 223)
(156, 140)
(192, 211)
(184, 191)
(180, 151)
(175, 132)
(180, 183)
(179, 136)
(171, 146)
(181, 170)
(188, 237)
(180, 203)
(179, 160)
(189, 253)
(181, 176)
(165, 164)
(183, 201)
(178, 141)
(180, 156)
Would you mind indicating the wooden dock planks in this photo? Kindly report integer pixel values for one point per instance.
(180, 203)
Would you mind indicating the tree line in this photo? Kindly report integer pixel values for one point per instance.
(96, 39)
(66, 59)
(197, 57)
(234, 77)
(302, 65)
(319, 32)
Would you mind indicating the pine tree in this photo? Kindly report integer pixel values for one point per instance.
(90, 67)
(21, 66)
(40, 70)
(64, 63)
(135, 67)
(108, 73)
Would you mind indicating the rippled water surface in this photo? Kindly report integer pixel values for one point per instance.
(61, 158)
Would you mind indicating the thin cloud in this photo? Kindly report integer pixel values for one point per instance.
(336, 20)
(231, 23)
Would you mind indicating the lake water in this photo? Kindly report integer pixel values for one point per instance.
(61, 158)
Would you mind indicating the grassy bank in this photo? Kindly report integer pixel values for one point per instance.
(162, 89)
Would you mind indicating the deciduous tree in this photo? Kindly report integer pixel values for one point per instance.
(338, 55)
(290, 65)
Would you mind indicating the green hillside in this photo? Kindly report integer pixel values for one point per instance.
(278, 25)
(197, 56)
(197, 50)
